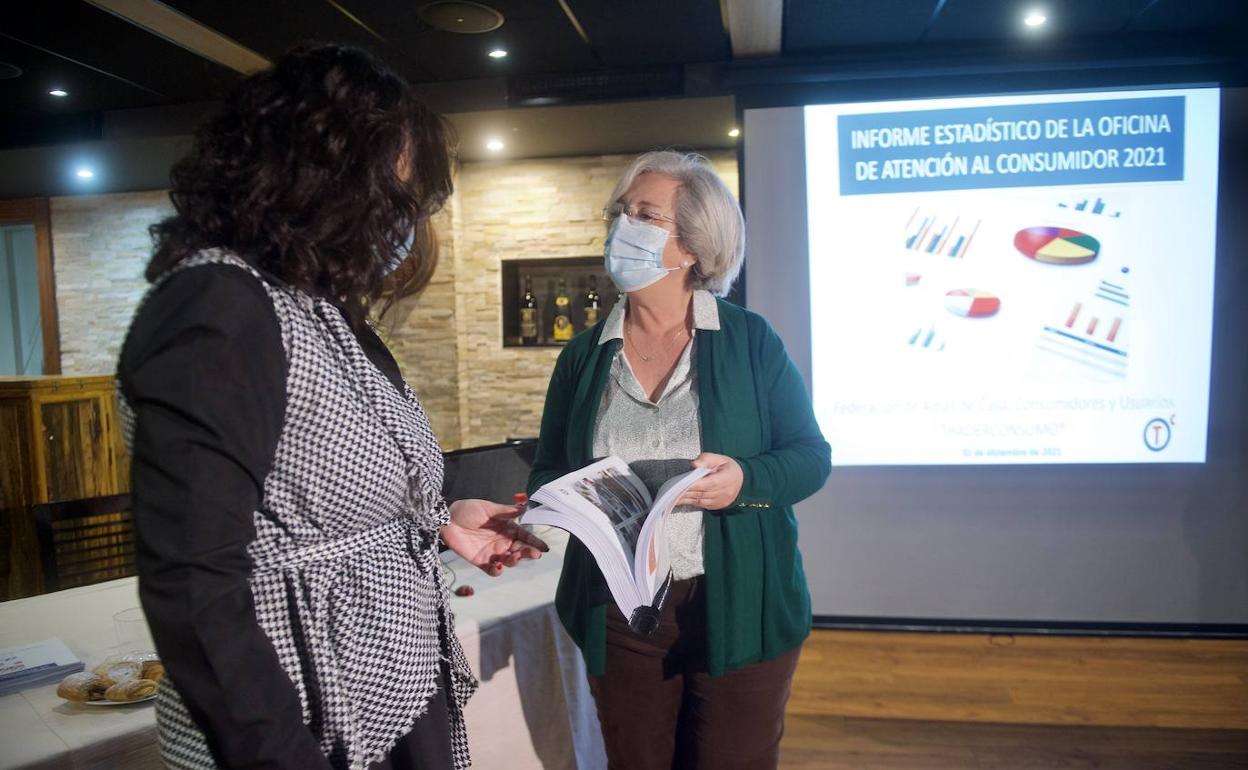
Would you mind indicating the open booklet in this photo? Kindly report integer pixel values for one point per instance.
(608, 508)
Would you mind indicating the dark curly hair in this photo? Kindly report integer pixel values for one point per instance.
(316, 170)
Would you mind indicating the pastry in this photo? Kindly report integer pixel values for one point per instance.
(81, 687)
(135, 689)
(153, 670)
(114, 671)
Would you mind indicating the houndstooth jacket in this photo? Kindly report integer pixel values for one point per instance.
(347, 581)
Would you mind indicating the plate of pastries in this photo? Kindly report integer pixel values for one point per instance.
(117, 681)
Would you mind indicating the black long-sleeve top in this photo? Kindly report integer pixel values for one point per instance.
(204, 370)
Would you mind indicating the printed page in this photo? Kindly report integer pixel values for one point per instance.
(597, 534)
(603, 505)
(607, 486)
(650, 562)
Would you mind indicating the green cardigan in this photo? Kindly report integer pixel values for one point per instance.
(754, 408)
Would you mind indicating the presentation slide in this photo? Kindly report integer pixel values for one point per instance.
(1013, 280)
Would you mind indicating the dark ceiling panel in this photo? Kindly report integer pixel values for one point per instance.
(538, 37)
(89, 91)
(1226, 16)
(645, 32)
(80, 31)
(104, 62)
(639, 37)
(811, 26)
(270, 27)
(536, 34)
(273, 27)
(1002, 20)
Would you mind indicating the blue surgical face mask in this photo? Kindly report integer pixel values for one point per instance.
(400, 256)
(633, 254)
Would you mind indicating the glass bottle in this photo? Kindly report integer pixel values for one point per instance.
(593, 302)
(528, 314)
(562, 327)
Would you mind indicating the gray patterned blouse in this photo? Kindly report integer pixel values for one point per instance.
(658, 438)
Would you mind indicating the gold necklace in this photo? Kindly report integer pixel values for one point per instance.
(652, 356)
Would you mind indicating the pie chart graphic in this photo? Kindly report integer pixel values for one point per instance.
(972, 303)
(1057, 245)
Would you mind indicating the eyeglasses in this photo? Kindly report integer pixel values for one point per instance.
(645, 216)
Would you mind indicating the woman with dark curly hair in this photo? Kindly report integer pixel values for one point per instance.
(286, 483)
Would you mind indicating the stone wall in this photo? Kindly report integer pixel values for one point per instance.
(521, 210)
(100, 248)
(448, 341)
(421, 333)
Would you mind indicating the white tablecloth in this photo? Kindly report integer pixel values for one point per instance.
(38, 729)
(533, 709)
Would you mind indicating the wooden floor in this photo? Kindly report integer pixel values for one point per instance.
(942, 701)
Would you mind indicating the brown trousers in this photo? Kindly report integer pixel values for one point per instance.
(660, 710)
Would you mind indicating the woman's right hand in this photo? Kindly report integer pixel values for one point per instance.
(487, 535)
(717, 490)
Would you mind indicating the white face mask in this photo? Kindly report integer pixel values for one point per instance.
(633, 254)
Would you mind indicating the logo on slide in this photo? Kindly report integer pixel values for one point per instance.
(1157, 434)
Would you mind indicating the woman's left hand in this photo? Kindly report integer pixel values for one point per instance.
(487, 535)
(720, 488)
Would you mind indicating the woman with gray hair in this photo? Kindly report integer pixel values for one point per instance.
(674, 375)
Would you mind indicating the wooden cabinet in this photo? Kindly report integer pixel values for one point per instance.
(60, 439)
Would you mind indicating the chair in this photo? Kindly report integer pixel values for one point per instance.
(494, 472)
(85, 541)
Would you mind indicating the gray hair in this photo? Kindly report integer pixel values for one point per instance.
(708, 217)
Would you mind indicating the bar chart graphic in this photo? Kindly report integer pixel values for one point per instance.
(1091, 337)
(1097, 206)
(944, 236)
(925, 338)
(1057, 245)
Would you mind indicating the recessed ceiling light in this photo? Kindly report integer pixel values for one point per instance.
(1034, 19)
(494, 145)
(734, 132)
(58, 92)
(498, 53)
(84, 173)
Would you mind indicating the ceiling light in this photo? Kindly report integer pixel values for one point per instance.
(498, 53)
(734, 132)
(1034, 19)
(494, 145)
(84, 173)
(58, 92)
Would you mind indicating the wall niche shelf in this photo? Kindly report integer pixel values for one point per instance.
(545, 275)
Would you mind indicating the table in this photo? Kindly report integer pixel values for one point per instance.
(533, 709)
(38, 729)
